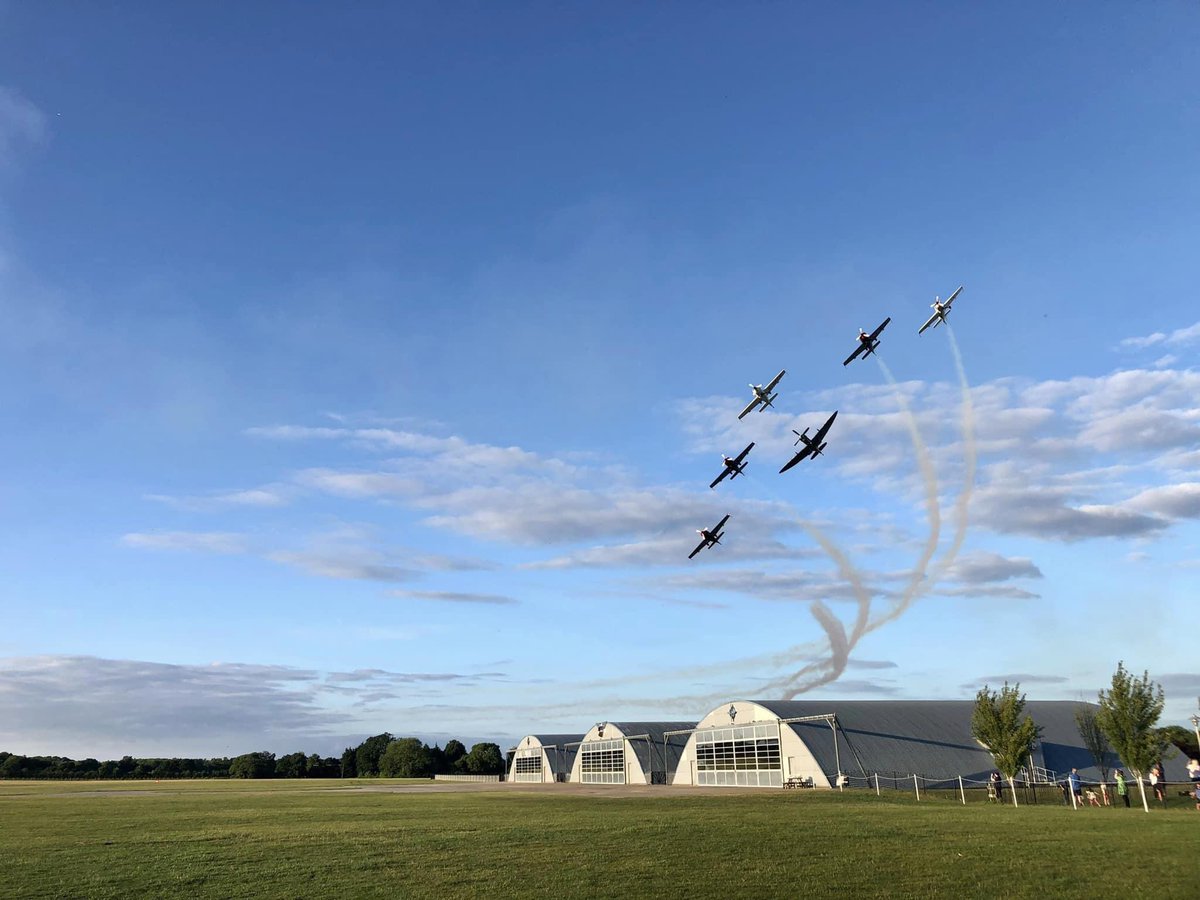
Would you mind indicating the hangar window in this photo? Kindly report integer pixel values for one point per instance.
(748, 755)
(602, 762)
(529, 768)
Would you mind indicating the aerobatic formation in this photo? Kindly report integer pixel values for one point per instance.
(763, 397)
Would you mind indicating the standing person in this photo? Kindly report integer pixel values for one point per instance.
(1196, 794)
(997, 786)
(1076, 788)
(1159, 786)
(1193, 768)
(1122, 788)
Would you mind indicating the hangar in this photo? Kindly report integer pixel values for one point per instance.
(630, 752)
(761, 743)
(543, 757)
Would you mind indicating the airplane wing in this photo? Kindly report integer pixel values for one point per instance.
(853, 356)
(700, 546)
(749, 408)
(879, 330)
(932, 320)
(795, 459)
(820, 435)
(950, 299)
(721, 477)
(742, 455)
(774, 381)
(716, 530)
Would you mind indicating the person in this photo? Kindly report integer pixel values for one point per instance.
(996, 784)
(1092, 797)
(1122, 788)
(1196, 794)
(1157, 785)
(1193, 768)
(1076, 788)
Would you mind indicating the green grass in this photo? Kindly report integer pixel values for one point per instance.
(309, 839)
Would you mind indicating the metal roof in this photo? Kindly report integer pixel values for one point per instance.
(933, 737)
(659, 752)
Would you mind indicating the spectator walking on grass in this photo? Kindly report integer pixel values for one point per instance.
(1122, 788)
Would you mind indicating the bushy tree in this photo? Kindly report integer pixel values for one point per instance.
(366, 757)
(1093, 737)
(484, 759)
(997, 723)
(406, 758)
(452, 753)
(253, 765)
(349, 767)
(1129, 710)
(292, 765)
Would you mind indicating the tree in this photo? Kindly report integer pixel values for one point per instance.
(484, 759)
(349, 763)
(293, 765)
(1129, 710)
(366, 757)
(253, 765)
(452, 753)
(1183, 738)
(997, 724)
(1093, 738)
(406, 758)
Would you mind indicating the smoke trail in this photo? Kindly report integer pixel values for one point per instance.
(970, 453)
(932, 504)
(839, 645)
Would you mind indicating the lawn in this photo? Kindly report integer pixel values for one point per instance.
(319, 839)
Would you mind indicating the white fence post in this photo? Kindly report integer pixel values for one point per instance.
(916, 787)
(876, 784)
(961, 791)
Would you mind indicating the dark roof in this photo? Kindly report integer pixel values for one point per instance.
(933, 737)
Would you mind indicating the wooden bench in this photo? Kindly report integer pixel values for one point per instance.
(798, 782)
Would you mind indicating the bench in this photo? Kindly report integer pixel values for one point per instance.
(798, 782)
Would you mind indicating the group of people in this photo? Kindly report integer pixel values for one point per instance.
(1158, 785)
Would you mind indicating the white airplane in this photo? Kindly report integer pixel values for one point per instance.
(734, 465)
(709, 536)
(940, 311)
(762, 394)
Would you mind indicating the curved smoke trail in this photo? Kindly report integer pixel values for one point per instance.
(932, 504)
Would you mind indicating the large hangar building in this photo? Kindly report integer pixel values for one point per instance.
(544, 757)
(767, 743)
(630, 752)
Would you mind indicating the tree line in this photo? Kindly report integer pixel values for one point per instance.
(379, 755)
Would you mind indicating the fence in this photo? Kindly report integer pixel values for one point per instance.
(1043, 787)
(468, 777)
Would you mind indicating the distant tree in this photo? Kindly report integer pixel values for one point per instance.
(1129, 711)
(484, 759)
(1093, 738)
(292, 765)
(253, 765)
(1182, 738)
(349, 767)
(13, 767)
(406, 758)
(996, 723)
(452, 753)
(366, 756)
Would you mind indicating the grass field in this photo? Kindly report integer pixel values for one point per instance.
(401, 839)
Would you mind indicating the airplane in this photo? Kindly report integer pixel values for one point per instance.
(867, 342)
(812, 445)
(762, 394)
(940, 311)
(709, 536)
(734, 467)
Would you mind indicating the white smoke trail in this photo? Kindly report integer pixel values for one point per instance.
(932, 505)
(970, 454)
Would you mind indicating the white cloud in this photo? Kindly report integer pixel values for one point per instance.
(22, 125)
(203, 541)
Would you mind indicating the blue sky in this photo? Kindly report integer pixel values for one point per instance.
(366, 369)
